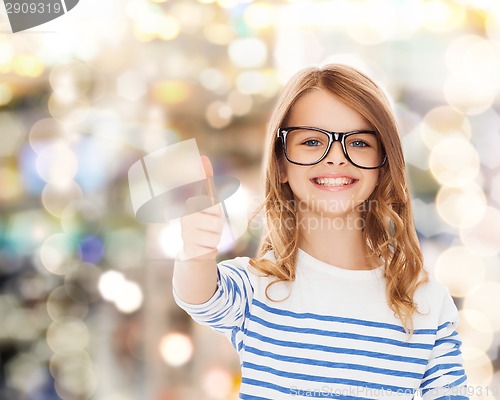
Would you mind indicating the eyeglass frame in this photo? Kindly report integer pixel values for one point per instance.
(332, 137)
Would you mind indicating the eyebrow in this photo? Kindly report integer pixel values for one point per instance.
(370, 129)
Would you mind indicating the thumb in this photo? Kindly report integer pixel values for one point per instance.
(207, 166)
(209, 173)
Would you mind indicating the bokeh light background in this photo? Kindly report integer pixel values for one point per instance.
(85, 303)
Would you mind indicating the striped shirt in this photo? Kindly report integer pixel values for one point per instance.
(332, 335)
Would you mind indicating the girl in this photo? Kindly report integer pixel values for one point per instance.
(337, 304)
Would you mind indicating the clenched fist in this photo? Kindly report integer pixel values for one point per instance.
(201, 229)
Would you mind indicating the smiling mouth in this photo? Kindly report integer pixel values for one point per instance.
(334, 181)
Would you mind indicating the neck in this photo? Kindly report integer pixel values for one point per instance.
(336, 240)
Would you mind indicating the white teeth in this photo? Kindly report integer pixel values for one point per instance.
(333, 181)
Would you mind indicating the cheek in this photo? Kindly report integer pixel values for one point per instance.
(293, 174)
(371, 179)
(298, 185)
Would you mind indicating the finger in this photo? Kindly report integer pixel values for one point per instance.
(214, 213)
(201, 204)
(206, 240)
(213, 210)
(199, 223)
(209, 172)
(196, 204)
(207, 166)
(200, 243)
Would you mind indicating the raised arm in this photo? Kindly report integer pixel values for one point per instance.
(195, 271)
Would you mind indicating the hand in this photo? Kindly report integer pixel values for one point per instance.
(201, 231)
(202, 223)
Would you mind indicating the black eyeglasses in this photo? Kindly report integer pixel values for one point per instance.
(304, 145)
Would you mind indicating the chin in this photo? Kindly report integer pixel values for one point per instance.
(326, 220)
(329, 208)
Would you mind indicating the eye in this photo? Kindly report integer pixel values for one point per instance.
(312, 142)
(358, 143)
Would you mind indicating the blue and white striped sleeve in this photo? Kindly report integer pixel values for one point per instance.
(445, 376)
(227, 310)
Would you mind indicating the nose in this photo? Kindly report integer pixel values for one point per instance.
(336, 155)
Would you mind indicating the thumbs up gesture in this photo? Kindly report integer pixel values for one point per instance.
(202, 223)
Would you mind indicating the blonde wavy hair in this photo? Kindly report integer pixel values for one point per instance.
(389, 230)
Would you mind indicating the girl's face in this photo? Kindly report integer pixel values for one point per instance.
(334, 186)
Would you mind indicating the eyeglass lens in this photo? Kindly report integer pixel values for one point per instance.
(306, 146)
